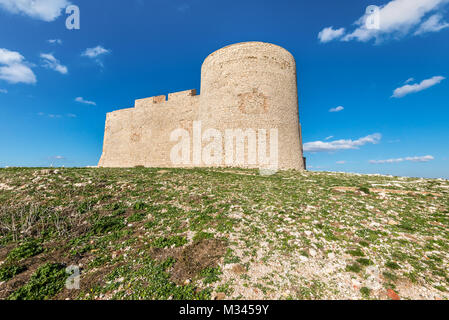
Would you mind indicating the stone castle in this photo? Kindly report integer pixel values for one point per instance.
(248, 91)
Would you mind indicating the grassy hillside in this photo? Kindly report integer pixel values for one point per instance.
(222, 234)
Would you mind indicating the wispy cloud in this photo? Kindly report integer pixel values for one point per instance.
(398, 160)
(328, 138)
(344, 144)
(96, 54)
(55, 41)
(337, 109)
(433, 24)
(329, 34)
(411, 88)
(341, 162)
(46, 10)
(3, 91)
(50, 62)
(398, 18)
(81, 100)
(14, 68)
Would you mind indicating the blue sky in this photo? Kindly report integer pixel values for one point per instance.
(370, 100)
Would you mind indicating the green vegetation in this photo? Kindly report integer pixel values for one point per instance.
(202, 235)
(47, 281)
(108, 224)
(364, 262)
(210, 275)
(25, 250)
(8, 272)
(355, 267)
(364, 189)
(176, 241)
(365, 292)
(392, 265)
(155, 283)
(356, 253)
(149, 233)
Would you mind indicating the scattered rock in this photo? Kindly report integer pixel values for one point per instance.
(355, 283)
(5, 187)
(392, 295)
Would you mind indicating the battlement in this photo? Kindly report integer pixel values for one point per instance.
(182, 95)
(176, 96)
(145, 102)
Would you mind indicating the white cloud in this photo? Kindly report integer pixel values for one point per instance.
(328, 138)
(320, 146)
(14, 69)
(409, 80)
(397, 19)
(51, 62)
(95, 52)
(9, 57)
(433, 24)
(3, 91)
(46, 10)
(341, 162)
(55, 41)
(81, 100)
(329, 34)
(337, 109)
(398, 160)
(411, 88)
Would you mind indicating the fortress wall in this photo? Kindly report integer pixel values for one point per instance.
(172, 115)
(146, 102)
(141, 136)
(116, 143)
(182, 95)
(253, 85)
(248, 85)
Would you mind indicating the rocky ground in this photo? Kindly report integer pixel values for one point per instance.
(221, 234)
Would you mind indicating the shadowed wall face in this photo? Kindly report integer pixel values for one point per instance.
(247, 86)
(140, 136)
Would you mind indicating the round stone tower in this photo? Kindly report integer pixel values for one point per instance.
(252, 85)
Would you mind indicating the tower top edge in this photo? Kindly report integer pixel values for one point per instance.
(248, 43)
